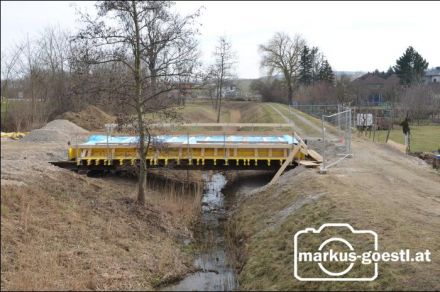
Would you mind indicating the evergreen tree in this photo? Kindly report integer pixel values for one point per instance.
(316, 59)
(410, 67)
(378, 73)
(305, 67)
(383, 74)
(326, 73)
(389, 72)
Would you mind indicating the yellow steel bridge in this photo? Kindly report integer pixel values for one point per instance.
(194, 151)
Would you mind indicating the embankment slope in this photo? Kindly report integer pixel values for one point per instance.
(378, 189)
(65, 231)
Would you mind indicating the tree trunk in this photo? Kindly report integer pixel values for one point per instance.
(217, 94)
(290, 94)
(139, 108)
(142, 161)
(219, 106)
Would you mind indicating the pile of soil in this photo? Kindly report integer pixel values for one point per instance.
(430, 158)
(55, 131)
(91, 118)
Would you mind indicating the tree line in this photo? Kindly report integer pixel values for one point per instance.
(297, 64)
(299, 73)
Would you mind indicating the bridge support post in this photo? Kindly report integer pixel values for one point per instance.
(285, 164)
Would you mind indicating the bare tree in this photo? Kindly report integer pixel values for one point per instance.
(53, 52)
(222, 69)
(419, 102)
(345, 93)
(156, 47)
(8, 72)
(281, 55)
(9, 68)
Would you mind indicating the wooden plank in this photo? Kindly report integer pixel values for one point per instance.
(308, 163)
(315, 155)
(285, 164)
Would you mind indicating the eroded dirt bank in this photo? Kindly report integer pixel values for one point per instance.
(214, 258)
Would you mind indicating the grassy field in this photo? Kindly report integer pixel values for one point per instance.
(231, 112)
(423, 138)
(202, 111)
(305, 128)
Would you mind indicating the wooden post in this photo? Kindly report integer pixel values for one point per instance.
(374, 132)
(285, 164)
(388, 134)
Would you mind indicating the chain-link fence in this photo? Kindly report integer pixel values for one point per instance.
(317, 110)
(336, 137)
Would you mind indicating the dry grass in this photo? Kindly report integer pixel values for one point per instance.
(379, 189)
(232, 111)
(180, 201)
(64, 231)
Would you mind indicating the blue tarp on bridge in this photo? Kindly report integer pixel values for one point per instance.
(198, 139)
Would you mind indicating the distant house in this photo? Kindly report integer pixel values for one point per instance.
(432, 76)
(229, 90)
(372, 88)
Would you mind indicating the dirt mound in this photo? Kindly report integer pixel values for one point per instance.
(65, 126)
(91, 118)
(55, 131)
(43, 135)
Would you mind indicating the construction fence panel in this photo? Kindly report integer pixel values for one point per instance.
(336, 137)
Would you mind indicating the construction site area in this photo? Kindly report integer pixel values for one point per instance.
(219, 146)
(222, 202)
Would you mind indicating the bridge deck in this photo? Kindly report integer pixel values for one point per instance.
(203, 151)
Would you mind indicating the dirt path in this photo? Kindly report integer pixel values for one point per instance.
(288, 121)
(312, 127)
(306, 121)
(234, 117)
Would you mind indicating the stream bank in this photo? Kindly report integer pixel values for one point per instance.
(213, 258)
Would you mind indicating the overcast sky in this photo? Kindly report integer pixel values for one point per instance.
(354, 36)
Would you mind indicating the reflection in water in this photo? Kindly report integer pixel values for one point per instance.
(216, 273)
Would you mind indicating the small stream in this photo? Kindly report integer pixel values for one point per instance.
(215, 271)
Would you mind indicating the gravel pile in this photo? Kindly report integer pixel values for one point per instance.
(65, 127)
(55, 131)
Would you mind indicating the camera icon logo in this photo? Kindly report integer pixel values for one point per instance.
(314, 250)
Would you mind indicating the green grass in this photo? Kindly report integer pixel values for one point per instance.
(423, 138)
(257, 112)
(304, 129)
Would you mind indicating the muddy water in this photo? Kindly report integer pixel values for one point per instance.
(215, 270)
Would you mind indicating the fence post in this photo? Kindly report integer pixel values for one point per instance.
(323, 170)
(349, 131)
(77, 150)
(339, 117)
